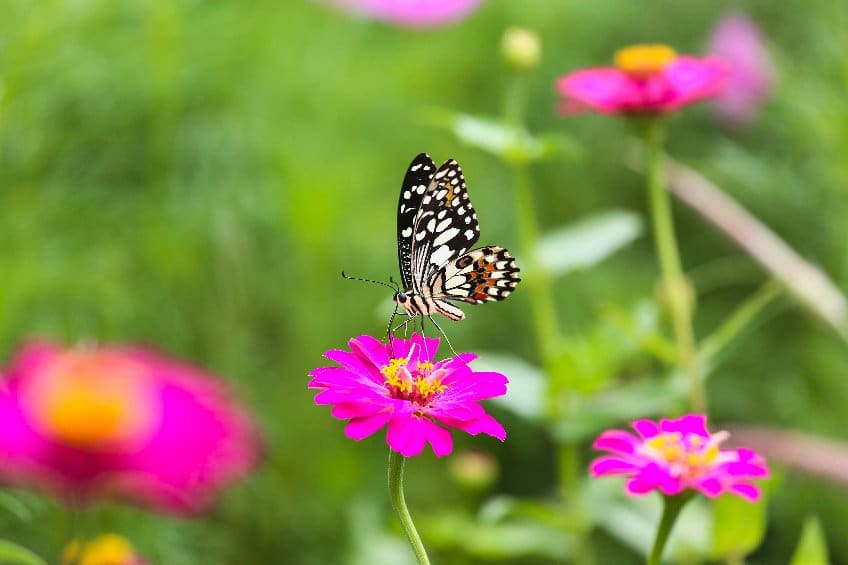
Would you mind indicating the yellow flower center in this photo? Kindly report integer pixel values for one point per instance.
(108, 549)
(90, 399)
(687, 456)
(644, 60)
(419, 384)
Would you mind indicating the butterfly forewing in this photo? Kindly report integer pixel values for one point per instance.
(445, 225)
(415, 184)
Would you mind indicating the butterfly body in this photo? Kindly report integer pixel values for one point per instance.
(436, 228)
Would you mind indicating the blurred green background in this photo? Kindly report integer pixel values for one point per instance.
(195, 174)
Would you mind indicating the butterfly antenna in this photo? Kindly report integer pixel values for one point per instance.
(392, 286)
(455, 354)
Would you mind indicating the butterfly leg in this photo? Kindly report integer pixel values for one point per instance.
(443, 335)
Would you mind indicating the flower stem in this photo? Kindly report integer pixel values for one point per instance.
(674, 283)
(396, 461)
(672, 505)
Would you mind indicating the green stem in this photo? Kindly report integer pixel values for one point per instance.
(674, 283)
(538, 284)
(672, 505)
(396, 461)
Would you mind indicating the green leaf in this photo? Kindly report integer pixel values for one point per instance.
(526, 384)
(639, 399)
(634, 521)
(511, 144)
(812, 547)
(738, 526)
(14, 553)
(508, 539)
(586, 243)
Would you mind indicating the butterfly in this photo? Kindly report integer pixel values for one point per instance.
(436, 228)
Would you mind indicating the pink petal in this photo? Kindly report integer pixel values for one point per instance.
(440, 439)
(360, 428)
(711, 487)
(617, 441)
(746, 491)
(604, 89)
(687, 424)
(412, 13)
(645, 428)
(694, 79)
(612, 466)
(407, 435)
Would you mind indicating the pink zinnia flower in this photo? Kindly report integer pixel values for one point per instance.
(411, 13)
(677, 455)
(750, 80)
(120, 422)
(400, 386)
(646, 79)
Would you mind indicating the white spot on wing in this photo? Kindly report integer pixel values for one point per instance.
(469, 234)
(446, 236)
(407, 232)
(440, 255)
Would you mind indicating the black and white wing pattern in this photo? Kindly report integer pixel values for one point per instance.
(445, 224)
(415, 183)
(436, 228)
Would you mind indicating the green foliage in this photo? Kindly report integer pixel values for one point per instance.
(16, 555)
(194, 175)
(812, 546)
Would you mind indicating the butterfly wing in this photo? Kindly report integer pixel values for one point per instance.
(415, 183)
(445, 224)
(482, 275)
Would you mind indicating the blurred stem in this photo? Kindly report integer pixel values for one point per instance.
(538, 284)
(672, 505)
(713, 344)
(396, 462)
(514, 100)
(674, 283)
(543, 309)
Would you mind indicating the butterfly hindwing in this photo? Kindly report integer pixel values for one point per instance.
(481, 275)
(418, 176)
(445, 225)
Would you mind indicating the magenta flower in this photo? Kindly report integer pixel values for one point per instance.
(399, 386)
(120, 422)
(646, 79)
(410, 13)
(677, 455)
(751, 76)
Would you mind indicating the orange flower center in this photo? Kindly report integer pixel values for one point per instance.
(688, 456)
(89, 399)
(644, 60)
(418, 384)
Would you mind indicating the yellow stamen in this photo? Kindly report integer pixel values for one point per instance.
(644, 60)
(92, 400)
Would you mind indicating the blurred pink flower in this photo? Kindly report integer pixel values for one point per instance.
(675, 455)
(410, 13)
(399, 386)
(751, 77)
(646, 79)
(120, 422)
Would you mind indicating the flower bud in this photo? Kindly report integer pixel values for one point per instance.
(521, 49)
(474, 470)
